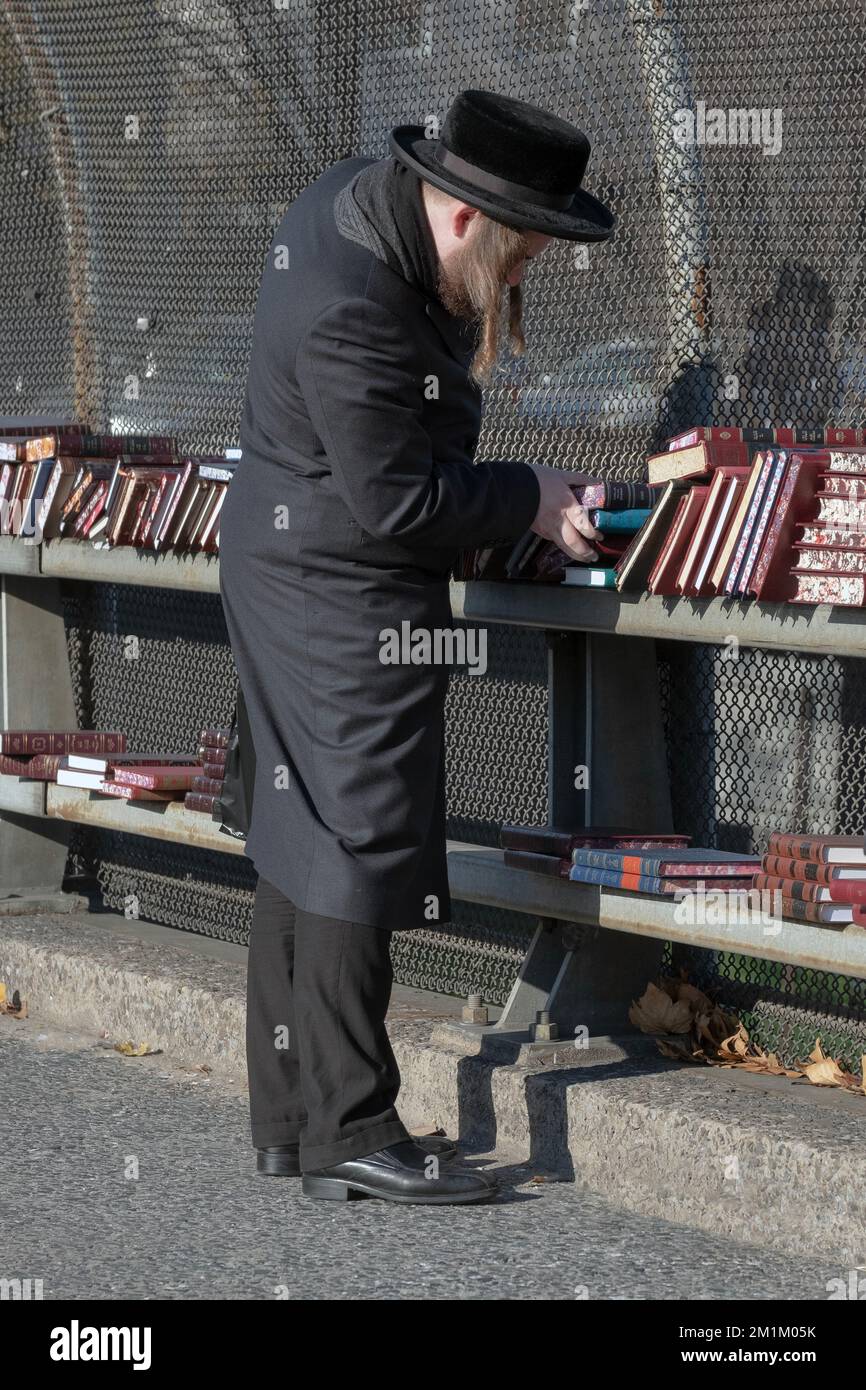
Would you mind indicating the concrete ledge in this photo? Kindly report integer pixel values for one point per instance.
(762, 1161)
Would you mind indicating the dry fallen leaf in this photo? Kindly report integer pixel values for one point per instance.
(656, 1012)
(16, 1007)
(129, 1049)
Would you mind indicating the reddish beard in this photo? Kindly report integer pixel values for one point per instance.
(472, 288)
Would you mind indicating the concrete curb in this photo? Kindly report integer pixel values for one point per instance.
(762, 1161)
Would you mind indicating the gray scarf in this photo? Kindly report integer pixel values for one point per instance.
(382, 209)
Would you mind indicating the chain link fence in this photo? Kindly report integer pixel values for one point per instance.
(148, 148)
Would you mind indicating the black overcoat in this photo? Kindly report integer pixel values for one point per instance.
(355, 490)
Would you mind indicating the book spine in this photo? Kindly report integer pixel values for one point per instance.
(199, 801)
(818, 913)
(214, 737)
(798, 888)
(635, 883)
(810, 870)
(212, 786)
(796, 847)
(179, 780)
(39, 765)
(47, 741)
(214, 770)
(630, 520)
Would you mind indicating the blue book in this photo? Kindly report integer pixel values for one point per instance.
(620, 521)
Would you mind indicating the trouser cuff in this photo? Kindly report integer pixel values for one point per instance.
(276, 1132)
(364, 1141)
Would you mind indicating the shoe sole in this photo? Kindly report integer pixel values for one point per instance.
(341, 1190)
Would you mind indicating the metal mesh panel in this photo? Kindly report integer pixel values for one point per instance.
(146, 151)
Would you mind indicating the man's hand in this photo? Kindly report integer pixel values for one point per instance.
(560, 517)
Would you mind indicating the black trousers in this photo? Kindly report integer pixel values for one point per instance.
(321, 1068)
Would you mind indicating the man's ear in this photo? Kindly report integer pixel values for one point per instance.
(462, 219)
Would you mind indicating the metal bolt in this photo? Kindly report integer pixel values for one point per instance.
(543, 1030)
(474, 1011)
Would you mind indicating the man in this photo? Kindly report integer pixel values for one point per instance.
(378, 317)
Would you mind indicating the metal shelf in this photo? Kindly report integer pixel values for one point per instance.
(478, 874)
(161, 820)
(822, 629)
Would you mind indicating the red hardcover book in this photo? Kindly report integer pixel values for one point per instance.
(821, 914)
(762, 521)
(842, 590)
(771, 579)
(820, 849)
(695, 503)
(215, 737)
(52, 741)
(214, 770)
(809, 869)
(828, 537)
(206, 753)
(696, 460)
(130, 793)
(766, 465)
(75, 441)
(662, 576)
(817, 560)
(706, 538)
(844, 485)
(211, 786)
(91, 509)
(169, 777)
(199, 801)
(40, 767)
(783, 435)
(811, 891)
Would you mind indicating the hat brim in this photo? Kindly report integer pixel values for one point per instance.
(585, 219)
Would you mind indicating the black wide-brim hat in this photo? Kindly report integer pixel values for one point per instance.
(513, 161)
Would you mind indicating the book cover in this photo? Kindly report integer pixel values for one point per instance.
(762, 521)
(809, 869)
(168, 777)
(765, 464)
(696, 460)
(662, 576)
(694, 863)
(695, 509)
(561, 843)
(821, 914)
(658, 887)
(633, 570)
(771, 580)
(725, 557)
(537, 863)
(53, 741)
(822, 849)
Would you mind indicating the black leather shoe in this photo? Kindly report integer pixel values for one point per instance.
(399, 1173)
(281, 1160)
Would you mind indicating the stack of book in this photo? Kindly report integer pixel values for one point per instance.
(111, 489)
(660, 865)
(207, 786)
(785, 527)
(37, 754)
(815, 878)
(617, 509)
(97, 761)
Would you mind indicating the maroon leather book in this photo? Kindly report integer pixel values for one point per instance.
(51, 741)
(771, 579)
(199, 801)
(166, 778)
(40, 767)
(74, 441)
